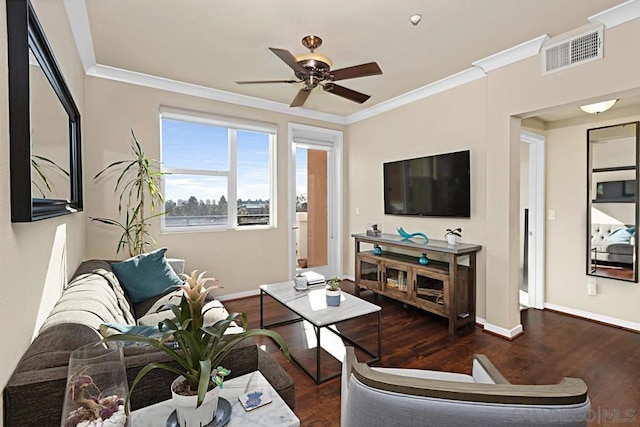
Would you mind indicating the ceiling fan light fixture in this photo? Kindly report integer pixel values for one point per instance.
(313, 56)
(598, 107)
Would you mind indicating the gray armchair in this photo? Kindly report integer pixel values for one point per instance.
(410, 397)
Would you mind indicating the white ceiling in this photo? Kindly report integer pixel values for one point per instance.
(214, 43)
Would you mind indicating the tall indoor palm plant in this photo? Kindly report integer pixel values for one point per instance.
(139, 185)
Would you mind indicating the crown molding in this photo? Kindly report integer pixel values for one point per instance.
(617, 15)
(513, 54)
(442, 85)
(147, 80)
(79, 23)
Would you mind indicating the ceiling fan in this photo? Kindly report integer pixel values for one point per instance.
(314, 69)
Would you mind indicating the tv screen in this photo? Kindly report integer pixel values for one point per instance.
(429, 186)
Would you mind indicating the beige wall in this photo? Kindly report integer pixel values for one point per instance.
(517, 90)
(240, 259)
(37, 258)
(419, 129)
(482, 116)
(566, 281)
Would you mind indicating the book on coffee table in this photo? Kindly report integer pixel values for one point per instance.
(254, 399)
(314, 278)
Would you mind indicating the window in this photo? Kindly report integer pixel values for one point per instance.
(219, 172)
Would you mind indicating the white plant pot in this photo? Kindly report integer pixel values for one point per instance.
(187, 413)
(452, 239)
(301, 282)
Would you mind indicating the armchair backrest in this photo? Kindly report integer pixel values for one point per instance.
(375, 398)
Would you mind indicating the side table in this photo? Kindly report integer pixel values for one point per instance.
(276, 413)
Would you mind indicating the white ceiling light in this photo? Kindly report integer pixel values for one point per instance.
(415, 19)
(598, 107)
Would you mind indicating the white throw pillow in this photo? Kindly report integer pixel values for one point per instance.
(217, 312)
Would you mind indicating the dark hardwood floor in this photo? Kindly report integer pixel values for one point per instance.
(553, 346)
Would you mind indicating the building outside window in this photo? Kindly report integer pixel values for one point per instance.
(220, 172)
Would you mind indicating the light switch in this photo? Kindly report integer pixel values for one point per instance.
(357, 211)
(592, 286)
(551, 215)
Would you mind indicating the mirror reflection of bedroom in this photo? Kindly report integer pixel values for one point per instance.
(613, 208)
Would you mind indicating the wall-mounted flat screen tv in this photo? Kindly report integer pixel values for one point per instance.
(429, 186)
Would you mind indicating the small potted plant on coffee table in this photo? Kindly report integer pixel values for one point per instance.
(452, 235)
(333, 292)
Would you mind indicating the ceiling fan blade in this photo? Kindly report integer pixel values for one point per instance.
(362, 70)
(288, 59)
(300, 98)
(253, 82)
(346, 93)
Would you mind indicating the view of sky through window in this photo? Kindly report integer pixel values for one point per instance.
(194, 146)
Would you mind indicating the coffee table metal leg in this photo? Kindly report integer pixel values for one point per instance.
(318, 347)
(261, 309)
(380, 334)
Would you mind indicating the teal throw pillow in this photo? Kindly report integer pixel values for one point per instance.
(620, 235)
(146, 276)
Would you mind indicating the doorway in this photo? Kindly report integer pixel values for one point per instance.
(315, 200)
(532, 214)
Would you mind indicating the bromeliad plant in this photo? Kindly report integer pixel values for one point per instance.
(201, 348)
(139, 186)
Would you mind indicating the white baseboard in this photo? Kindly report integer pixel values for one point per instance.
(481, 321)
(507, 333)
(238, 295)
(594, 316)
(349, 277)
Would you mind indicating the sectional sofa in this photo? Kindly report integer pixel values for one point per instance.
(34, 394)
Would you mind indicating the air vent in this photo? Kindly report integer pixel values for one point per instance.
(577, 50)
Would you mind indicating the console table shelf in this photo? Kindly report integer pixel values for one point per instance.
(446, 288)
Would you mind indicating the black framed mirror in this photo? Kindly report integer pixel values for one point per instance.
(612, 201)
(44, 124)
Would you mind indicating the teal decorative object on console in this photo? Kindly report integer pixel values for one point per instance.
(423, 259)
(407, 236)
(377, 250)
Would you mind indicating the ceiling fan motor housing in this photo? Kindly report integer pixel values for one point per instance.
(316, 68)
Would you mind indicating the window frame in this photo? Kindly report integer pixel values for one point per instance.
(233, 125)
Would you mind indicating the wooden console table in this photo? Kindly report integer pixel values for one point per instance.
(445, 288)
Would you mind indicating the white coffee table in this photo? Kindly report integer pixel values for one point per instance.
(276, 413)
(311, 306)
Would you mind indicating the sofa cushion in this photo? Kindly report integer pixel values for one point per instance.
(214, 311)
(146, 276)
(102, 269)
(90, 299)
